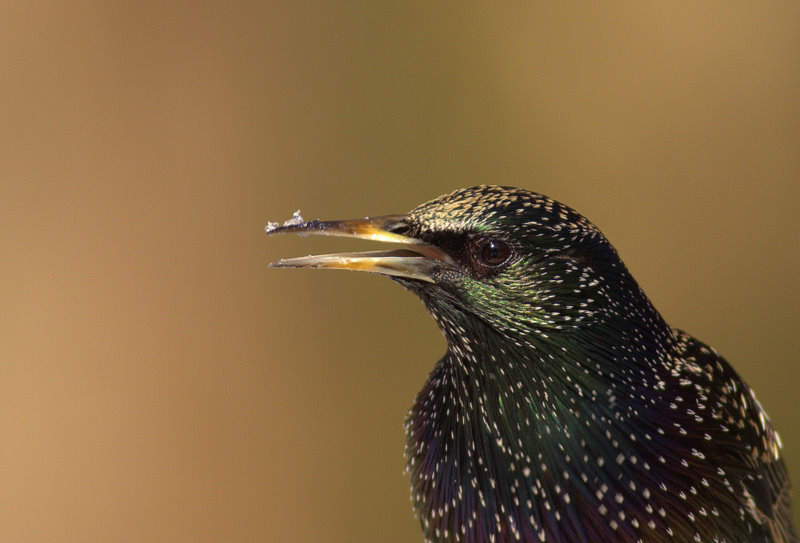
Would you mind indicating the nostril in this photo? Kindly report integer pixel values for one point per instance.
(396, 226)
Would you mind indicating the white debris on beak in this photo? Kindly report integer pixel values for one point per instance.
(297, 218)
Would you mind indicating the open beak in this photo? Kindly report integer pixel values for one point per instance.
(415, 261)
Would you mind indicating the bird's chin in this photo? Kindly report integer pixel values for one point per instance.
(419, 288)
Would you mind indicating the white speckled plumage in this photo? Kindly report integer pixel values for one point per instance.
(565, 409)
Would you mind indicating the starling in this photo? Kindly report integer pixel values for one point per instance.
(565, 408)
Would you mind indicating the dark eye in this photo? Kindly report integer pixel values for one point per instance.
(492, 252)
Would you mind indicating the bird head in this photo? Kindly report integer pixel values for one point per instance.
(516, 260)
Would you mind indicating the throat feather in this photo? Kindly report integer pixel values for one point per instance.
(502, 429)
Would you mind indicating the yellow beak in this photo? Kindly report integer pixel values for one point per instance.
(414, 262)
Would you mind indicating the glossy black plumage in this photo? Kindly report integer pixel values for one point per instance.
(565, 408)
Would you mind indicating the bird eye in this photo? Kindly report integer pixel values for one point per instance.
(492, 252)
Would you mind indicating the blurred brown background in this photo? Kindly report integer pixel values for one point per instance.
(159, 383)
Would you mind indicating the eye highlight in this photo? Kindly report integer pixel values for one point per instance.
(490, 254)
